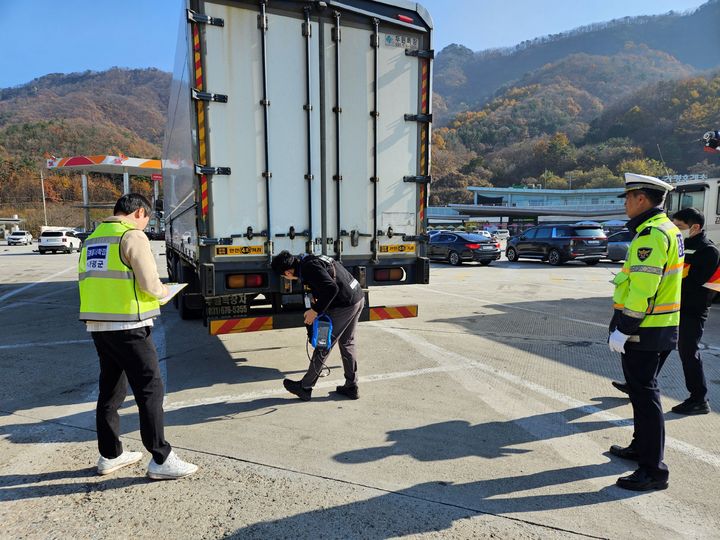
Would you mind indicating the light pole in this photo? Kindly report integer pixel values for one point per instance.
(42, 188)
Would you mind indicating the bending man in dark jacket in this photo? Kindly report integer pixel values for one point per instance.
(336, 293)
(701, 262)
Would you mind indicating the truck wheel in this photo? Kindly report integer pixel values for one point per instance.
(554, 257)
(454, 258)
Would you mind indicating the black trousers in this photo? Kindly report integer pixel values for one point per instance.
(129, 356)
(691, 331)
(641, 369)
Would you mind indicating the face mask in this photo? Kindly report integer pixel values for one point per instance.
(685, 233)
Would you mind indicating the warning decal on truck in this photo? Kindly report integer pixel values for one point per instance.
(234, 251)
(398, 248)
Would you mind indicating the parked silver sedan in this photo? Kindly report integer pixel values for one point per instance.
(618, 245)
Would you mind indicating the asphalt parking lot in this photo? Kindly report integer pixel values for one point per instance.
(488, 416)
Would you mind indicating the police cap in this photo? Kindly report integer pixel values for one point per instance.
(642, 182)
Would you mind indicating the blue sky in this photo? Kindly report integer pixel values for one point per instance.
(51, 36)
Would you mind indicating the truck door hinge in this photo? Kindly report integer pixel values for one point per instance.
(262, 22)
(204, 19)
(420, 54)
(208, 96)
(200, 169)
(418, 179)
(423, 118)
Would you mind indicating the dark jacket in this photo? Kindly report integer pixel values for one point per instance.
(701, 262)
(330, 283)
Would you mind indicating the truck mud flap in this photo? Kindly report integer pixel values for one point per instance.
(294, 320)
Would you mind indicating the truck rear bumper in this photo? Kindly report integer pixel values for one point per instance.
(295, 319)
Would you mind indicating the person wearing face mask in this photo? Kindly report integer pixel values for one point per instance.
(701, 262)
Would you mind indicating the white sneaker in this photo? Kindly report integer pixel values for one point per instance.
(173, 468)
(107, 466)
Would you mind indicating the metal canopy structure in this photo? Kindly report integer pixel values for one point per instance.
(127, 166)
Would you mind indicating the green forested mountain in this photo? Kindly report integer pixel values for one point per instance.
(111, 112)
(556, 134)
(465, 79)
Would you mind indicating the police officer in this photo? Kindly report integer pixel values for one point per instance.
(337, 293)
(644, 327)
(701, 262)
(119, 292)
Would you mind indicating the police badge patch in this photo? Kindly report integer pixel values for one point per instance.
(643, 253)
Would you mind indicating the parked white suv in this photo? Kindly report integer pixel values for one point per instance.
(18, 238)
(55, 241)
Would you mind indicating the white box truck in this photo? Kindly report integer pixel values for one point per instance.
(297, 125)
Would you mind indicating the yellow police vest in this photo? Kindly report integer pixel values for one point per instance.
(108, 290)
(649, 286)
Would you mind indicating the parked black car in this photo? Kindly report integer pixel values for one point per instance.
(458, 247)
(559, 243)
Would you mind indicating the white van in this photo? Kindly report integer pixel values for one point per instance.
(64, 241)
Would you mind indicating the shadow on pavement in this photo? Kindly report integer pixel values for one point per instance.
(14, 487)
(434, 506)
(457, 439)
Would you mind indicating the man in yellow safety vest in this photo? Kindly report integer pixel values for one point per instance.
(644, 327)
(119, 292)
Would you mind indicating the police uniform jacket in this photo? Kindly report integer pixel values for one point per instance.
(647, 291)
(330, 283)
(701, 262)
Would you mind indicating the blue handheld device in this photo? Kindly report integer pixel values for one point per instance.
(322, 332)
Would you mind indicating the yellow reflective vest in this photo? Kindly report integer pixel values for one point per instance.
(647, 291)
(108, 290)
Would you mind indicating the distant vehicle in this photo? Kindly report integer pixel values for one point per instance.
(65, 241)
(618, 245)
(19, 238)
(455, 247)
(501, 233)
(557, 244)
(82, 235)
(434, 232)
(486, 234)
(155, 235)
(703, 195)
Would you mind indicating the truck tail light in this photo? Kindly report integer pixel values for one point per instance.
(472, 246)
(245, 281)
(389, 274)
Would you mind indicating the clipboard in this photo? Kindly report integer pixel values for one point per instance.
(173, 289)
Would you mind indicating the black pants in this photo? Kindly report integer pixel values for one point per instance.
(641, 369)
(129, 356)
(691, 331)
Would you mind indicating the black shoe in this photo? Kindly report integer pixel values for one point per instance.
(294, 387)
(690, 406)
(623, 387)
(625, 452)
(640, 480)
(348, 391)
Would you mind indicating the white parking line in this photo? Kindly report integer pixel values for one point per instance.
(510, 306)
(29, 285)
(44, 344)
(432, 352)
